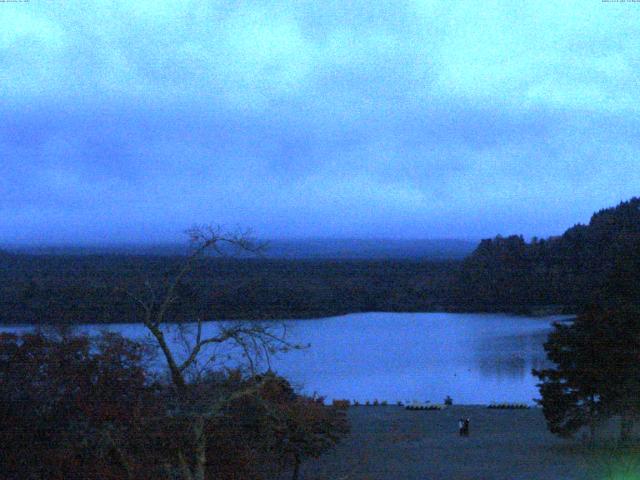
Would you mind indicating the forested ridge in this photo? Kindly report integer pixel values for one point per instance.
(44, 289)
(594, 263)
(598, 263)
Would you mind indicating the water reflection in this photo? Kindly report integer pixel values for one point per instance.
(475, 358)
(511, 356)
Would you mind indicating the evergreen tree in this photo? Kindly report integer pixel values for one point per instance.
(570, 395)
(620, 341)
(598, 262)
(596, 373)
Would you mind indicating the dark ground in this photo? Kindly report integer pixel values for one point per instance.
(393, 443)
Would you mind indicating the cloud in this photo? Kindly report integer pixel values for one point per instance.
(413, 118)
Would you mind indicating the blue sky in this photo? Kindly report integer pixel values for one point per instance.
(130, 121)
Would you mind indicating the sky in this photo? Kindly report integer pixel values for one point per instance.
(130, 121)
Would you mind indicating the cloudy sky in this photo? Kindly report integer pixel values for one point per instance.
(133, 120)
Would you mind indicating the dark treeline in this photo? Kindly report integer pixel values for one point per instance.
(595, 263)
(45, 289)
(598, 263)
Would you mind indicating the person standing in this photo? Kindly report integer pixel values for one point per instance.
(461, 427)
(465, 427)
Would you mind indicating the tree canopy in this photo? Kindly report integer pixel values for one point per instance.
(598, 263)
(596, 372)
(75, 407)
(90, 409)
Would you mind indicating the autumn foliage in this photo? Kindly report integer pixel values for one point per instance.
(73, 407)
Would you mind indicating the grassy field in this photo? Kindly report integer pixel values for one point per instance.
(392, 443)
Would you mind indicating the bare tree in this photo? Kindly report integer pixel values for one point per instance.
(257, 341)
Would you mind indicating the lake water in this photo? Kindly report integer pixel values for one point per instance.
(474, 358)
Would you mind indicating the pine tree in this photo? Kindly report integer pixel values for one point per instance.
(596, 373)
(570, 395)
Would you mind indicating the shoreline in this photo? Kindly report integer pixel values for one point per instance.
(541, 313)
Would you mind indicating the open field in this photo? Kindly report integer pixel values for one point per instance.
(393, 443)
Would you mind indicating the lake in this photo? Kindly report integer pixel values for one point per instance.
(474, 358)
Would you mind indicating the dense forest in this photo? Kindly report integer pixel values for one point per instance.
(594, 263)
(44, 289)
(598, 263)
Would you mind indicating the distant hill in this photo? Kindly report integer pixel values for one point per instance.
(594, 263)
(336, 249)
(373, 249)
